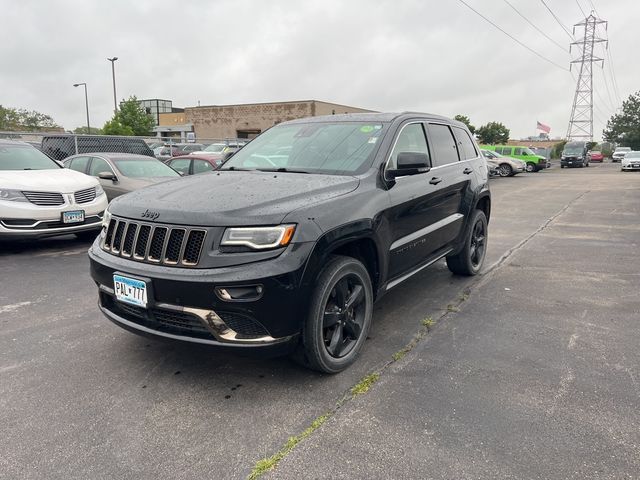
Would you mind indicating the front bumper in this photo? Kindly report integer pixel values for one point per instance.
(21, 220)
(571, 162)
(185, 303)
(631, 166)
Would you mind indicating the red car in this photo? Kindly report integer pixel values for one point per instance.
(596, 156)
(195, 163)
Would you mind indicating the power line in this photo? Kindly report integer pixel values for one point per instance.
(557, 20)
(513, 38)
(534, 26)
(581, 10)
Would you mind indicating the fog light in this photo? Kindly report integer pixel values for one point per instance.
(247, 293)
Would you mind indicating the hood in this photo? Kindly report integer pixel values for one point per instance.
(60, 180)
(230, 198)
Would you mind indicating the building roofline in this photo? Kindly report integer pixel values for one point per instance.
(279, 103)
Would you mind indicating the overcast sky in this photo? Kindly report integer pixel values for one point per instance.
(425, 55)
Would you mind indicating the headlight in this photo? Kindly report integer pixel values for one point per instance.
(106, 218)
(99, 190)
(259, 238)
(12, 195)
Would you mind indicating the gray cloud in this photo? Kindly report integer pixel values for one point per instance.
(387, 55)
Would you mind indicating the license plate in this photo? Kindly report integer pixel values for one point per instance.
(636, 165)
(76, 216)
(130, 290)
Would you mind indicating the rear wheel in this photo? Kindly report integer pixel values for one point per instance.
(470, 259)
(339, 316)
(504, 170)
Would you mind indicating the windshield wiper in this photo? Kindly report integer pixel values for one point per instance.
(282, 169)
(232, 168)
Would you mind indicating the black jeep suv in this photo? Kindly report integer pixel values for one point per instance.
(291, 242)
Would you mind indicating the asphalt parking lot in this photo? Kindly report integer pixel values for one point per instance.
(530, 370)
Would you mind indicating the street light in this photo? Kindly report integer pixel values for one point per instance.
(113, 74)
(86, 103)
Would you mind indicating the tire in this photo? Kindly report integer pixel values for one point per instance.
(561, 166)
(531, 167)
(87, 236)
(470, 259)
(505, 170)
(334, 332)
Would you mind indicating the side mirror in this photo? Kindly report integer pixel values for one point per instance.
(107, 176)
(410, 163)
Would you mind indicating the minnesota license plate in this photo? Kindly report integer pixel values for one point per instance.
(75, 216)
(130, 290)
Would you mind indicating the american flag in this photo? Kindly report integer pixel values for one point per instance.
(543, 127)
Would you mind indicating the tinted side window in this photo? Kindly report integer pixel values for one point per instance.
(99, 165)
(200, 166)
(465, 145)
(443, 145)
(518, 151)
(504, 150)
(79, 164)
(411, 139)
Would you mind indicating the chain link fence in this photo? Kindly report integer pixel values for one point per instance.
(62, 145)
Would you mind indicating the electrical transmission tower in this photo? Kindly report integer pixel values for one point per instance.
(581, 122)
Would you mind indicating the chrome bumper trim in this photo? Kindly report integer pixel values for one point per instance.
(220, 331)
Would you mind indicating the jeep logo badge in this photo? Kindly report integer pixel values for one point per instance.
(150, 215)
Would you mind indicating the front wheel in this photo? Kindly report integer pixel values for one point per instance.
(504, 170)
(339, 316)
(531, 167)
(470, 259)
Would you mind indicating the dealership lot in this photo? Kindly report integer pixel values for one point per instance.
(539, 365)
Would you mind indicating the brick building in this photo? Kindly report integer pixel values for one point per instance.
(245, 120)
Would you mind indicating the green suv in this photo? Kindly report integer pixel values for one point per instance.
(533, 161)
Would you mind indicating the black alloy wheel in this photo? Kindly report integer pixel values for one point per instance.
(470, 259)
(505, 170)
(339, 319)
(478, 244)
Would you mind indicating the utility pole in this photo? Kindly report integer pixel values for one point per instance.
(113, 75)
(581, 122)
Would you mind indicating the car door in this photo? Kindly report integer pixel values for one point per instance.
(415, 215)
(113, 188)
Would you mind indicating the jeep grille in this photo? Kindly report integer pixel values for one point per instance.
(161, 244)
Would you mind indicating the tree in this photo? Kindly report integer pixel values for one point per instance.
(493, 133)
(131, 117)
(91, 131)
(557, 149)
(624, 128)
(20, 119)
(114, 127)
(464, 119)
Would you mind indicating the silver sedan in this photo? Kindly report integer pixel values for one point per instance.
(504, 166)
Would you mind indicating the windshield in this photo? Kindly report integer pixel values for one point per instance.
(528, 151)
(22, 157)
(341, 148)
(632, 155)
(215, 148)
(623, 149)
(140, 167)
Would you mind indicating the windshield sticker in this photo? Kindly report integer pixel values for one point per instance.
(366, 128)
(373, 139)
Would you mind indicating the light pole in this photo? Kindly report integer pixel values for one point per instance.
(86, 103)
(113, 74)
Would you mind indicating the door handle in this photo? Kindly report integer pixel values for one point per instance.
(467, 171)
(435, 180)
